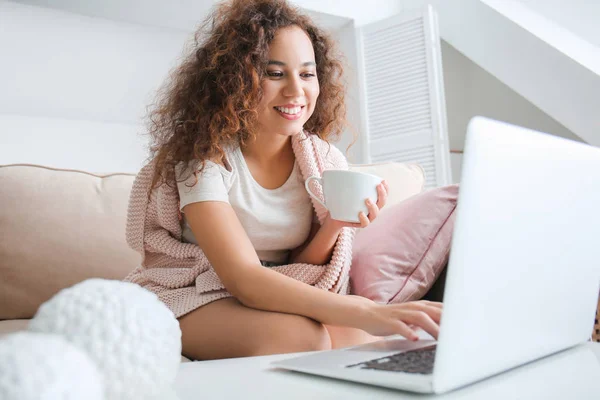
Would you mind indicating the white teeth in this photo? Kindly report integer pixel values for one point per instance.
(291, 111)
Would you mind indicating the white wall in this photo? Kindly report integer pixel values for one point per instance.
(362, 12)
(544, 62)
(536, 56)
(181, 15)
(52, 81)
(470, 91)
(186, 14)
(353, 142)
(86, 86)
(579, 16)
(75, 88)
(59, 64)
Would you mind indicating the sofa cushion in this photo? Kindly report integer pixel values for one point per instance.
(399, 257)
(57, 228)
(404, 179)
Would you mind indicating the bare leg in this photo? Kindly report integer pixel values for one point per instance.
(342, 336)
(226, 328)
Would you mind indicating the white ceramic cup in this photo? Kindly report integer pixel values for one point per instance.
(345, 192)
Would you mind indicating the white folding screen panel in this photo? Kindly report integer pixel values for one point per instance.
(404, 103)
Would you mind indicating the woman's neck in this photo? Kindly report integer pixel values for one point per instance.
(269, 149)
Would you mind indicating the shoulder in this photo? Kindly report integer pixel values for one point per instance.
(223, 167)
(209, 177)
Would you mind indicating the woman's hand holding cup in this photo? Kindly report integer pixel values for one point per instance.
(372, 207)
(353, 199)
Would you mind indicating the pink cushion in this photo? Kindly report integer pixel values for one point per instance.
(400, 255)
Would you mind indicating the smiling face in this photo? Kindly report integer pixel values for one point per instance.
(291, 86)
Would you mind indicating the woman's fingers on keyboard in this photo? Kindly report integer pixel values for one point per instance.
(428, 307)
(422, 320)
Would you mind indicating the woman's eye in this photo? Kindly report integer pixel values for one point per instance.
(308, 75)
(275, 74)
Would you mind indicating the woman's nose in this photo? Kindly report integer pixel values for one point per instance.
(293, 87)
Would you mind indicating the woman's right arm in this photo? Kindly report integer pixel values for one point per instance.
(226, 245)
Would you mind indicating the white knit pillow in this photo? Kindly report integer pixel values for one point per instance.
(37, 366)
(130, 334)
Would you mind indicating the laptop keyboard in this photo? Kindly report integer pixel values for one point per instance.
(418, 361)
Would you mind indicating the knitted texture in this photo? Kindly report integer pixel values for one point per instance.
(133, 338)
(39, 366)
(181, 275)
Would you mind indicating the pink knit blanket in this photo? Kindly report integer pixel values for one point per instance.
(181, 275)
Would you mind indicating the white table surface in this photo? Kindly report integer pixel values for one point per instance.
(571, 374)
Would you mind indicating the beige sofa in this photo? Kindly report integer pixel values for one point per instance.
(59, 227)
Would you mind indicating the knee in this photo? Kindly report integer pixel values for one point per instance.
(316, 337)
(299, 334)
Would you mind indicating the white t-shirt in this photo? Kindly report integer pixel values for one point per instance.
(275, 220)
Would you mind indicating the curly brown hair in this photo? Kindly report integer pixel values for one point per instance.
(210, 100)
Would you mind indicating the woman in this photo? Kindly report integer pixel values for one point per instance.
(232, 131)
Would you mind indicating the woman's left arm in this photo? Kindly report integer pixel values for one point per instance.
(319, 246)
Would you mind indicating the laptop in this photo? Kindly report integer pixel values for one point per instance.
(523, 275)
